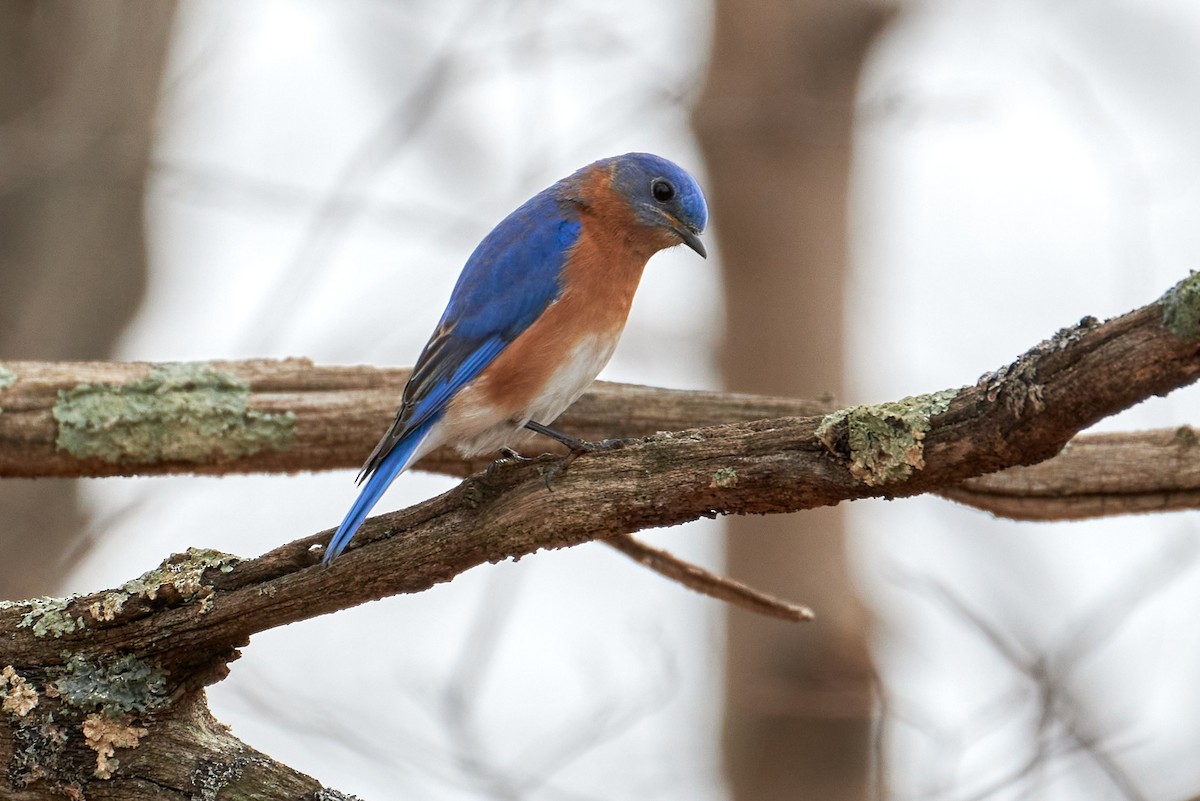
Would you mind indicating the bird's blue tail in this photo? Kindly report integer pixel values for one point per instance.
(392, 465)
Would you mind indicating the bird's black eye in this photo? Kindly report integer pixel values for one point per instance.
(662, 190)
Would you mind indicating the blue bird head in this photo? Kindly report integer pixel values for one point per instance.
(662, 195)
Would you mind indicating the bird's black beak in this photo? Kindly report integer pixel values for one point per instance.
(691, 238)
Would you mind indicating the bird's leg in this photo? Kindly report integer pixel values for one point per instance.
(574, 444)
(576, 447)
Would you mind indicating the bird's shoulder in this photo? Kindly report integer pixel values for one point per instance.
(511, 278)
(515, 271)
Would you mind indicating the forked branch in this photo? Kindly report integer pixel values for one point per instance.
(164, 636)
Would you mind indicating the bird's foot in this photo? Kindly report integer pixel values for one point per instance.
(576, 447)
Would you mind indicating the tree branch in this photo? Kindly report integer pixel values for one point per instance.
(326, 417)
(1095, 475)
(139, 654)
(72, 419)
(702, 581)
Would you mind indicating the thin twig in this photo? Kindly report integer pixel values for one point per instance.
(702, 581)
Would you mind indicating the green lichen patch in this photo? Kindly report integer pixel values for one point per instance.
(180, 412)
(19, 697)
(724, 478)
(1181, 308)
(886, 440)
(179, 575)
(48, 617)
(118, 688)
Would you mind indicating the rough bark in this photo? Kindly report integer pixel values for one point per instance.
(139, 418)
(152, 419)
(123, 669)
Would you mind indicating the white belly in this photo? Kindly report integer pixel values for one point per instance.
(570, 380)
(488, 430)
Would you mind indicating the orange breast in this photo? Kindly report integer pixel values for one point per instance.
(600, 278)
(554, 360)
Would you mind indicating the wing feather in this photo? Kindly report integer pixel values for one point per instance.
(511, 278)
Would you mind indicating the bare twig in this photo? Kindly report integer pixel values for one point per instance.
(702, 581)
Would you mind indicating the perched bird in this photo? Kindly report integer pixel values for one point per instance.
(534, 317)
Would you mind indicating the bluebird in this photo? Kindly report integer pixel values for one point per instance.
(534, 317)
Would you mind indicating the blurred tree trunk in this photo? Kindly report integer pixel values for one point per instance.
(775, 122)
(79, 83)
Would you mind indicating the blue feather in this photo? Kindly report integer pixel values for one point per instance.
(436, 395)
(508, 282)
(510, 279)
(515, 272)
(390, 466)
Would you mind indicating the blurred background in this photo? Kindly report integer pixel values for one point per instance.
(904, 196)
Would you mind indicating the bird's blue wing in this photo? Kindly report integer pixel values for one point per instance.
(506, 284)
